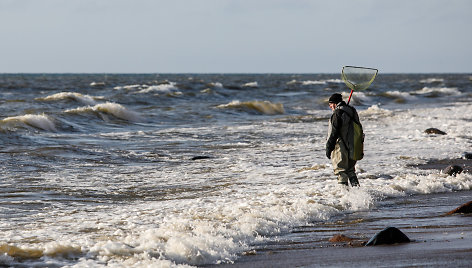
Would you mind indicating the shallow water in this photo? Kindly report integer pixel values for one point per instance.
(166, 170)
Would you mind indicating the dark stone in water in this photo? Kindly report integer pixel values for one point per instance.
(389, 235)
(467, 155)
(465, 208)
(199, 157)
(435, 131)
(452, 170)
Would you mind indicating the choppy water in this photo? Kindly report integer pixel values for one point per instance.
(192, 169)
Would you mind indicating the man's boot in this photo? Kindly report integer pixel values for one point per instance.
(354, 181)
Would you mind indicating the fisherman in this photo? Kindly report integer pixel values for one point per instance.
(338, 134)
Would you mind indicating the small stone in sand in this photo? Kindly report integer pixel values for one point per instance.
(340, 238)
(435, 131)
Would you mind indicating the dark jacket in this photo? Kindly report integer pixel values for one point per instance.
(339, 124)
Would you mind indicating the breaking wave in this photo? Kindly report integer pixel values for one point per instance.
(85, 99)
(117, 110)
(437, 91)
(432, 80)
(161, 88)
(42, 122)
(315, 82)
(251, 84)
(262, 107)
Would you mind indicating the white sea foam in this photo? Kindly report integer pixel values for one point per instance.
(315, 82)
(308, 83)
(115, 109)
(130, 87)
(85, 99)
(336, 81)
(39, 121)
(162, 88)
(375, 110)
(97, 84)
(432, 80)
(251, 84)
(216, 84)
(142, 89)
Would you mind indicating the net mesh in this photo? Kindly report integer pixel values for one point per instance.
(358, 78)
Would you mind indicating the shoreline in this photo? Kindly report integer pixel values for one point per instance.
(437, 240)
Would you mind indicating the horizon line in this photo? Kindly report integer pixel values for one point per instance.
(214, 73)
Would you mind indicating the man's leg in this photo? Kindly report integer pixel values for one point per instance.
(340, 163)
(351, 173)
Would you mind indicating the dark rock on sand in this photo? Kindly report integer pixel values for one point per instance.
(340, 238)
(389, 235)
(441, 164)
(452, 170)
(465, 208)
(435, 131)
(199, 157)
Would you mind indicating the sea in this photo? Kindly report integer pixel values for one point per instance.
(187, 170)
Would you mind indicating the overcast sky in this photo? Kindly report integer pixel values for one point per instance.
(234, 36)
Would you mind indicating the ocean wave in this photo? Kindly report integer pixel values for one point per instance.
(251, 84)
(162, 88)
(169, 88)
(263, 107)
(432, 80)
(114, 109)
(97, 84)
(335, 81)
(42, 122)
(375, 111)
(215, 85)
(130, 87)
(315, 82)
(437, 91)
(398, 96)
(308, 83)
(85, 99)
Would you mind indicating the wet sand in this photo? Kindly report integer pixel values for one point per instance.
(437, 240)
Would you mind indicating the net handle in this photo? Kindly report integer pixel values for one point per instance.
(352, 90)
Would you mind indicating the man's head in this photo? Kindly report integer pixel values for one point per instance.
(334, 100)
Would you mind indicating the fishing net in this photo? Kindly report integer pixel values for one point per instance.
(358, 78)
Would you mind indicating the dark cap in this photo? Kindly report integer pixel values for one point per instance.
(335, 98)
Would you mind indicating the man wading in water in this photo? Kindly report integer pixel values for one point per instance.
(338, 135)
